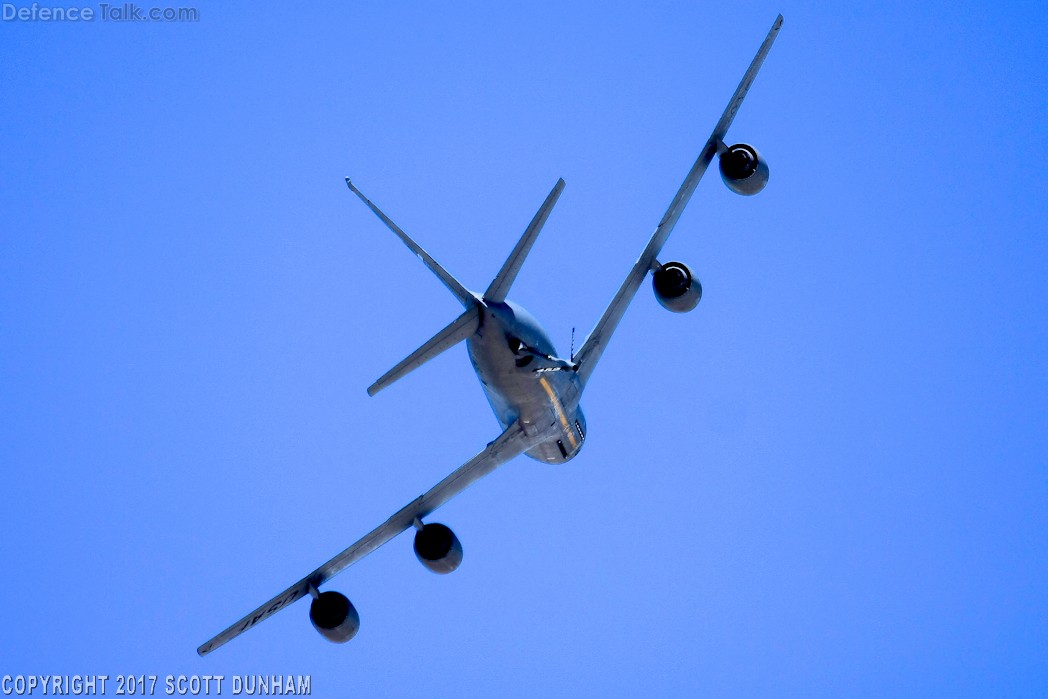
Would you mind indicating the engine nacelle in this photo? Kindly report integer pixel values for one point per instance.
(334, 616)
(437, 548)
(743, 169)
(675, 287)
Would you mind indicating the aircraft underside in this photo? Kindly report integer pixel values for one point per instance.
(533, 392)
(524, 380)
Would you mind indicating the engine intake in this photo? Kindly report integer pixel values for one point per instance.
(675, 287)
(743, 170)
(334, 616)
(437, 548)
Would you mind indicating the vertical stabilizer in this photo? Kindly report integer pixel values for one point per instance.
(464, 296)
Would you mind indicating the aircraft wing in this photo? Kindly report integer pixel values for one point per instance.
(510, 443)
(593, 347)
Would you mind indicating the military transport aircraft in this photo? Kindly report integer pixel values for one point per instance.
(534, 392)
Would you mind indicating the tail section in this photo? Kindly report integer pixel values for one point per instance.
(464, 296)
(499, 287)
(459, 329)
(467, 323)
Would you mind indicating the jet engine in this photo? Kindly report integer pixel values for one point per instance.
(743, 169)
(334, 616)
(437, 548)
(675, 287)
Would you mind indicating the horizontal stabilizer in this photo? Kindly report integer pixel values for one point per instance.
(499, 287)
(459, 329)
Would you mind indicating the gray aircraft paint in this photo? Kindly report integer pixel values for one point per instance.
(533, 393)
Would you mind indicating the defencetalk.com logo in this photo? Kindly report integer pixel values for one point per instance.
(106, 12)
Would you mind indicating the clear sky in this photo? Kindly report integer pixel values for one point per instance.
(830, 479)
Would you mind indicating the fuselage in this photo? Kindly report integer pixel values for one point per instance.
(524, 380)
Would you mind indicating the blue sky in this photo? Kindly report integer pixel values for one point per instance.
(829, 479)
